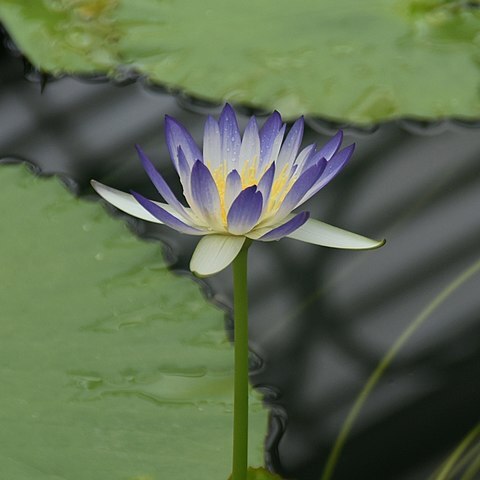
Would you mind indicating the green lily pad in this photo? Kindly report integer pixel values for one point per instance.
(111, 366)
(360, 62)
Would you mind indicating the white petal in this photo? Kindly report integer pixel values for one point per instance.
(277, 144)
(303, 156)
(256, 233)
(291, 144)
(250, 148)
(126, 203)
(214, 253)
(319, 233)
(212, 143)
(233, 187)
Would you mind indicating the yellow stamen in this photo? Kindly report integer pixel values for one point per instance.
(249, 173)
(281, 186)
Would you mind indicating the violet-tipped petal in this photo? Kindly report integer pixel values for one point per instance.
(245, 211)
(230, 137)
(265, 184)
(334, 166)
(212, 143)
(177, 136)
(268, 133)
(160, 184)
(165, 217)
(286, 228)
(233, 187)
(291, 144)
(205, 194)
(126, 202)
(331, 147)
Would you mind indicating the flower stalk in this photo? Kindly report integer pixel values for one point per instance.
(240, 403)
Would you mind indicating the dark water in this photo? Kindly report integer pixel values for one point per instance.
(321, 319)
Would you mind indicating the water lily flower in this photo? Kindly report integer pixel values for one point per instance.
(241, 188)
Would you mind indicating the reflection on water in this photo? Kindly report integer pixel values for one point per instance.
(321, 319)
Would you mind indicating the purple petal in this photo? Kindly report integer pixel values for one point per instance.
(268, 134)
(233, 186)
(165, 217)
(332, 146)
(292, 144)
(287, 228)
(160, 184)
(301, 186)
(230, 135)
(205, 193)
(184, 172)
(212, 143)
(266, 182)
(245, 211)
(334, 166)
(178, 136)
(313, 159)
(326, 152)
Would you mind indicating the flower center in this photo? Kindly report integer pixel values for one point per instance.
(249, 176)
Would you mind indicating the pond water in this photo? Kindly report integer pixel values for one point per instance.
(321, 319)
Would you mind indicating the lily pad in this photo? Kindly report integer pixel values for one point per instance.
(112, 367)
(350, 61)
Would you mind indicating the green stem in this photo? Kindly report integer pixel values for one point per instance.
(472, 470)
(444, 474)
(240, 404)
